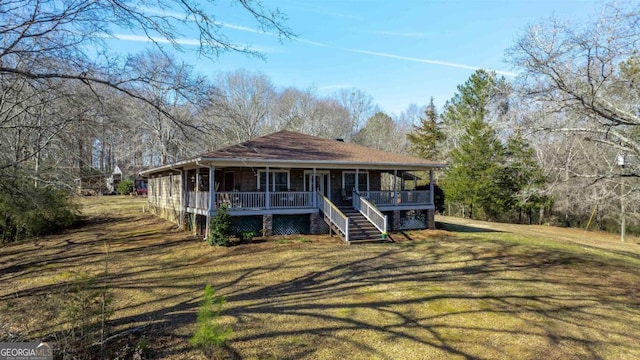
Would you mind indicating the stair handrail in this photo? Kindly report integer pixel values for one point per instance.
(370, 212)
(336, 217)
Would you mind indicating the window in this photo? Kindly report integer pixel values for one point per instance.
(349, 180)
(229, 181)
(278, 180)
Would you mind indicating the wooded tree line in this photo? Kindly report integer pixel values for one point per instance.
(551, 139)
(541, 146)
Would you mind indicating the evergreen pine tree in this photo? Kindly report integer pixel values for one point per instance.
(426, 137)
(477, 176)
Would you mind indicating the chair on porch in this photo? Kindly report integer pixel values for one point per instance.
(224, 200)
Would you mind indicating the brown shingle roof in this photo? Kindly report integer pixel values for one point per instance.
(288, 146)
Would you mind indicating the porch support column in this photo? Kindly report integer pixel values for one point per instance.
(212, 188)
(267, 200)
(212, 197)
(183, 197)
(431, 187)
(196, 188)
(395, 187)
(314, 189)
(357, 187)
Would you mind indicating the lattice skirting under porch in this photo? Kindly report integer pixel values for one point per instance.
(245, 224)
(291, 224)
(413, 219)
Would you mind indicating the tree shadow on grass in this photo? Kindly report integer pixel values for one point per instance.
(465, 228)
(451, 298)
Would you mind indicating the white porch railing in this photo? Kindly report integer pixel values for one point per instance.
(241, 200)
(386, 198)
(291, 199)
(369, 211)
(257, 200)
(336, 217)
(197, 199)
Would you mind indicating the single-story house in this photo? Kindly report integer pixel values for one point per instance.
(287, 182)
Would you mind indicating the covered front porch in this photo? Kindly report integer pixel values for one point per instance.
(251, 191)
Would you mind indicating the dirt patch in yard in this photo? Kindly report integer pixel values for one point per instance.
(495, 293)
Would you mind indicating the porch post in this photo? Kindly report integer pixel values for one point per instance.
(212, 196)
(196, 187)
(212, 187)
(431, 187)
(395, 187)
(267, 200)
(314, 189)
(357, 187)
(183, 197)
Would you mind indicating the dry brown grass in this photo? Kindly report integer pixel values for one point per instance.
(466, 294)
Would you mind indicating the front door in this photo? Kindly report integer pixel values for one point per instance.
(323, 183)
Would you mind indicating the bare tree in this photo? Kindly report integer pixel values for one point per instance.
(176, 89)
(359, 105)
(590, 71)
(306, 112)
(382, 132)
(240, 106)
(49, 43)
(294, 110)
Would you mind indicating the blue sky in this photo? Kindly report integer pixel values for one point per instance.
(399, 52)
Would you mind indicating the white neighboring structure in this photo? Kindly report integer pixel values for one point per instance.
(113, 180)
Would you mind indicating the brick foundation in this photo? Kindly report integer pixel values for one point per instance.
(396, 221)
(315, 221)
(267, 225)
(431, 219)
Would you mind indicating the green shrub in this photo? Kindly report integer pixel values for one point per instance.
(220, 228)
(210, 336)
(246, 236)
(125, 187)
(27, 211)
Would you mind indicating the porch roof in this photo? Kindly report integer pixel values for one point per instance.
(292, 149)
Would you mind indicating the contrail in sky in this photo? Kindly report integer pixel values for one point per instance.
(196, 42)
(427, 61)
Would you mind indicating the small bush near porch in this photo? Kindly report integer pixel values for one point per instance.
(517, 292)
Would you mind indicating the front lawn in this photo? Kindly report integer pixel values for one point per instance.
(432, 295)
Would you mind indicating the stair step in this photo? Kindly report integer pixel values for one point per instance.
(361, 230)
(369, 239)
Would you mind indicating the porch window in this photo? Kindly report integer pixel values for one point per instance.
(229, 181)
(204, 181)
(349, 181)
(278, 180)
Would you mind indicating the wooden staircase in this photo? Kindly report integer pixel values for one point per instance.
(360, 229)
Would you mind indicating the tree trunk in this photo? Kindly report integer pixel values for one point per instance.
(541, 216)
(520, 215)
